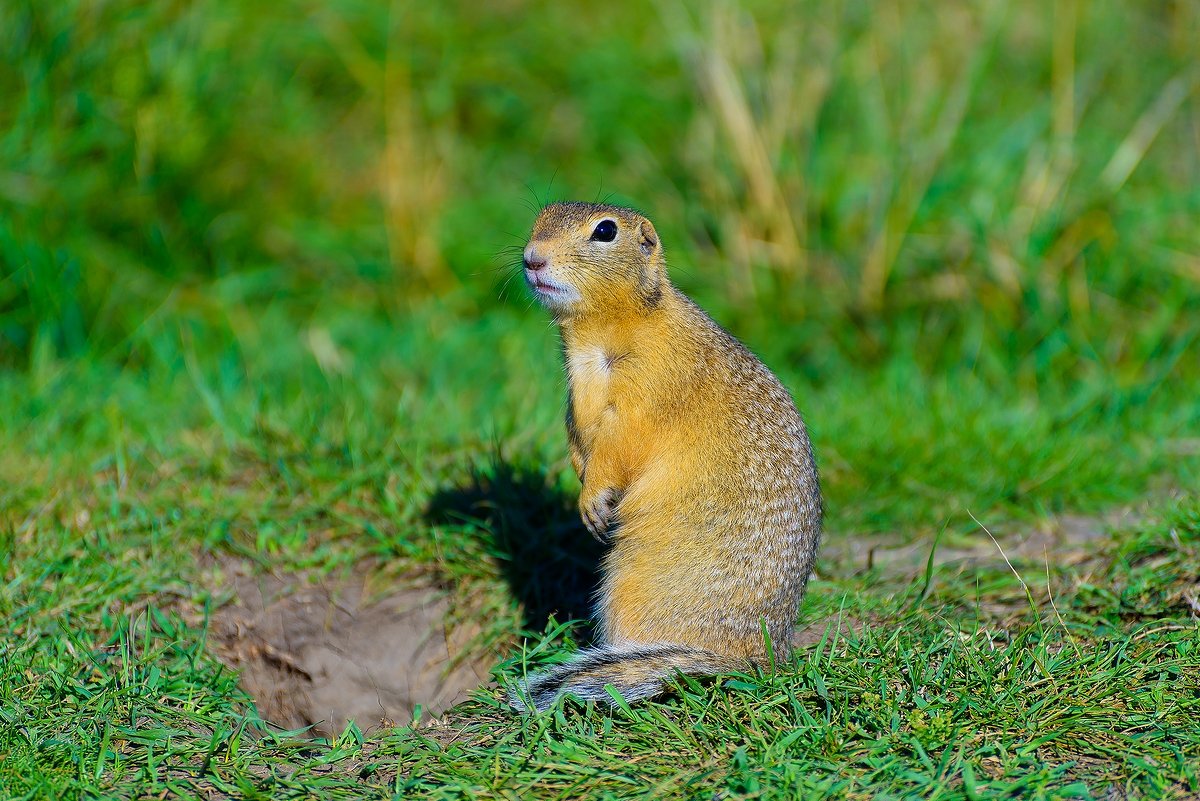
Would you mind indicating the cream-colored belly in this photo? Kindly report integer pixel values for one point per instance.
(591, 392)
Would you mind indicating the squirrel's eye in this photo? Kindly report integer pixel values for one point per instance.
(605, 231)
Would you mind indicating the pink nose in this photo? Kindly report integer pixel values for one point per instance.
(533, 260)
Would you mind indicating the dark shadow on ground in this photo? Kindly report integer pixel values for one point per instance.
(548, 558)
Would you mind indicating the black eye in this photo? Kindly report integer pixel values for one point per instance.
(605, 231)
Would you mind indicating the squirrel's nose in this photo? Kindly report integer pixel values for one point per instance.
(534, 260)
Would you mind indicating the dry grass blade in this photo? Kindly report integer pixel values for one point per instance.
(413, 170)
(911, 185)
(1133, 149)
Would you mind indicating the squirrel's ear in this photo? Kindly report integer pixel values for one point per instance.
(649, 238)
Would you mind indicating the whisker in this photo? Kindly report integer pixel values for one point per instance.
(538, 204)
(504, 286)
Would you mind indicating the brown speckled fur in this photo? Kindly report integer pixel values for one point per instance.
(693, 459)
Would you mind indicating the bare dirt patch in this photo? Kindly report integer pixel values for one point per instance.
(831, 628)
(324, 653)
(1067, 540)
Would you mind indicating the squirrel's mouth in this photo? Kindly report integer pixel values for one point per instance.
(546, 288)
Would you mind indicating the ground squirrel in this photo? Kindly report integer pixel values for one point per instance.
(693, 460)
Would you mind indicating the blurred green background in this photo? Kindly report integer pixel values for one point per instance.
(998, 184)
(956, 230)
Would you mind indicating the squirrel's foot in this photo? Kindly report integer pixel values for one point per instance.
(597, 512)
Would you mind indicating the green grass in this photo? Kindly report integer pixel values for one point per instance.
(115, 481)
(256, 303)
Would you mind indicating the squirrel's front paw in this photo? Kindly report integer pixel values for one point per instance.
(597, 511)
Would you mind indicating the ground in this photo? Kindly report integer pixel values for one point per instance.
(975, 644)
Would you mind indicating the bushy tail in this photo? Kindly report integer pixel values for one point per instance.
(636, 671)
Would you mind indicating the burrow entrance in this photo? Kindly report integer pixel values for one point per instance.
(320, 654)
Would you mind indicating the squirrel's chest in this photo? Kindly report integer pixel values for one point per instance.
(594, 386)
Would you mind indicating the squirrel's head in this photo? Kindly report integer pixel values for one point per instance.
(588, 258)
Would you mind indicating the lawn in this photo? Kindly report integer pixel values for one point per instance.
(260, 323)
